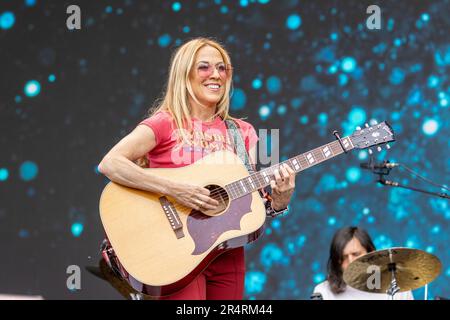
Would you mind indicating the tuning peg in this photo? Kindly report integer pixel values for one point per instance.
(358, 128)
(374, 122)
(367, 125)
(370, 151)
(379, 149)
(388, 146)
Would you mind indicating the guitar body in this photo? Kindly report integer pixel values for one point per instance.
(159, 260)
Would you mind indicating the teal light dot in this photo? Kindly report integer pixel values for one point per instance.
(353, 174)
(397, 76)
(436, 229)
(52, 78)
(396, 115)
(443, 102)
(186, 29)
(30, 3)
(28, 170)
(304, 119)
(334, 36)
(264, 1)
(164, 40)
(254, 281)
(77, 229)
(331, 221)
(343, 79)
(293, 22)
(176, 6)
(425, 17)
(7, 20)
(362, 155)
(257, 84)
(323, 118)
(32, 88)
(348, 64)
(332, 69)
(273, 84)
(4, 174)
(430, 127)
(276, 224)
(318, 278)
(357, 116)
(243, 3)
(282, 110)
(433, 81)
(224, 9)
(23, 233)
(410, 244)
(109, 9)
(18, 99)
(264, 111)
(239, 99)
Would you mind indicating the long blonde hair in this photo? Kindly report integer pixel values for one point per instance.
(178, 87)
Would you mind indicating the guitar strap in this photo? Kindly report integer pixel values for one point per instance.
(239, 144)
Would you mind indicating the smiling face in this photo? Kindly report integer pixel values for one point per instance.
(208, 77)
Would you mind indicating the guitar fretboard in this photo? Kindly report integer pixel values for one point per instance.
(261, 179)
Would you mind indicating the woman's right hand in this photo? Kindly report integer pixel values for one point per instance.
(192, 196)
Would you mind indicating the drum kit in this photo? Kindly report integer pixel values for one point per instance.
(393, 270)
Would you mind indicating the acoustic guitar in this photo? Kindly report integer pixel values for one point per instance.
(163, 245)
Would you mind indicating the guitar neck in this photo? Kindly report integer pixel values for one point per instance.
(262, 178)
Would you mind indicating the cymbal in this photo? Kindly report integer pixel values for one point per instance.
(413, 269)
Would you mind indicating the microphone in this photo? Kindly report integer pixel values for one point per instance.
(316, 296)
(384, 165)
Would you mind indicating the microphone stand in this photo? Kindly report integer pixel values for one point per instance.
(385, 171)
(399, 185)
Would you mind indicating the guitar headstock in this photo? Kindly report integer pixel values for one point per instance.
(375, 135)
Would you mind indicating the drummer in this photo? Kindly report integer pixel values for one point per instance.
(348, 244)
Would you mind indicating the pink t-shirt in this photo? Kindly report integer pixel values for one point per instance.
(207, 137)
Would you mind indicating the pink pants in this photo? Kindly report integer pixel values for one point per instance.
(223, 279)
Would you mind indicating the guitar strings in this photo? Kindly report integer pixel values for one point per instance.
(222, 192)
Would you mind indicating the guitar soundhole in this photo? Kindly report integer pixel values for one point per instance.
(220, 194)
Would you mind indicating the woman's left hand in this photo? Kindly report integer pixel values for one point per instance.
(282, 187)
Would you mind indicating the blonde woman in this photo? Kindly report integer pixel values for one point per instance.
(189, 123)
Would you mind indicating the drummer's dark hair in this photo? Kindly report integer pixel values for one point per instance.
(340, 240)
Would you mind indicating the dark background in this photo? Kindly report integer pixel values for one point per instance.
(325, 72)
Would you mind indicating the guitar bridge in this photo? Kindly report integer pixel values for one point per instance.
(172, 216)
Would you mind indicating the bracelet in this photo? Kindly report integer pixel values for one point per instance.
(270, 211)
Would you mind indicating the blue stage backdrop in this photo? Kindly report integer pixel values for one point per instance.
(303, 67)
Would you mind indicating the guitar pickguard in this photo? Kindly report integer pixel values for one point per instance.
(205, 230)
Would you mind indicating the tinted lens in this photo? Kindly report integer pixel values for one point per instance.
(222, 69)
(204, 70)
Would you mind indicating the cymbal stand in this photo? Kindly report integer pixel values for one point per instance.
(393, 287)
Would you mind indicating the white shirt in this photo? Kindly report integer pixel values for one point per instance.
(354, 294)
